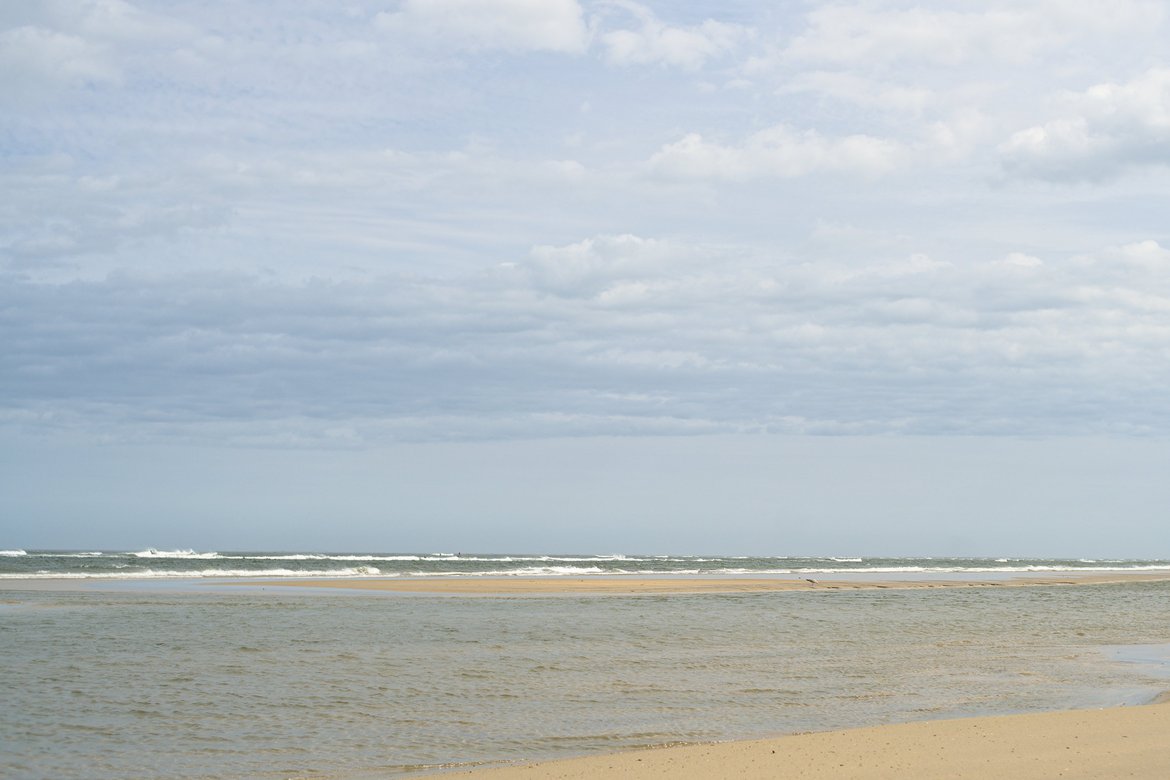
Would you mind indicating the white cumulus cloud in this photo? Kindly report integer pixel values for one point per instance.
(1108, 129)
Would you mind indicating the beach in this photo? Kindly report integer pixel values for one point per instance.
(1105, 744)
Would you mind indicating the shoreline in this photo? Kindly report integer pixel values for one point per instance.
(602, 585)
(1087, 744)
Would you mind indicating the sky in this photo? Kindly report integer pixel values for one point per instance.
(544, 275)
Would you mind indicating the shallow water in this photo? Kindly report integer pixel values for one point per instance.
(210, 682)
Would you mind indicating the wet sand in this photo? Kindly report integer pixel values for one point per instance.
(1122, 742)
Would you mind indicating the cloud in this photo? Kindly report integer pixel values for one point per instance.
(1109, 128)
(655, 42)
(108, 20)
(512, 25)
(56, 48)
(69, 218)
(218, 226)
(292, 213)
(1019, 261)
(1140, 256)
(589, 267)
(33, 59)
(1007, 32)
(778, 151)
(855, 34)
(860, 90)
(609, 335)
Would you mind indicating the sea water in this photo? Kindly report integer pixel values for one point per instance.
(200, 680)
(162, 564)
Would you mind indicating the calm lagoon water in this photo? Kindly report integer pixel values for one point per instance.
(201, 680)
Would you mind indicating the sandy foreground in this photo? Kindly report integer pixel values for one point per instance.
(634, 585)
(1122, 742)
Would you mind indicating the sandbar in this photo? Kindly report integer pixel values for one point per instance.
(697, 584)
(1104, 744)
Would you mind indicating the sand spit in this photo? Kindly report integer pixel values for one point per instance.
(667, 585)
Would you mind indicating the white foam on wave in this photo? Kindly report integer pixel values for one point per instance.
(374, 558)
(530, 571)
(356, 571)
(66, 554)
(187, 554)
(303, 557)
(463, 558)
(289, 557)
(12, 553)
(516, 558)
(318, 557)
(602, 558)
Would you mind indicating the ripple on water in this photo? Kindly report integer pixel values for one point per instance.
(236, 684)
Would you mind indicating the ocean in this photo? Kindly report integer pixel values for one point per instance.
(150, 563)
(175, 670)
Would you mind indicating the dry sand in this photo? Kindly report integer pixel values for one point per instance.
(633, 585)
(1123, 742)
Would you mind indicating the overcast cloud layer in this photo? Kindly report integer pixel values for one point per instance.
(323, 224)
